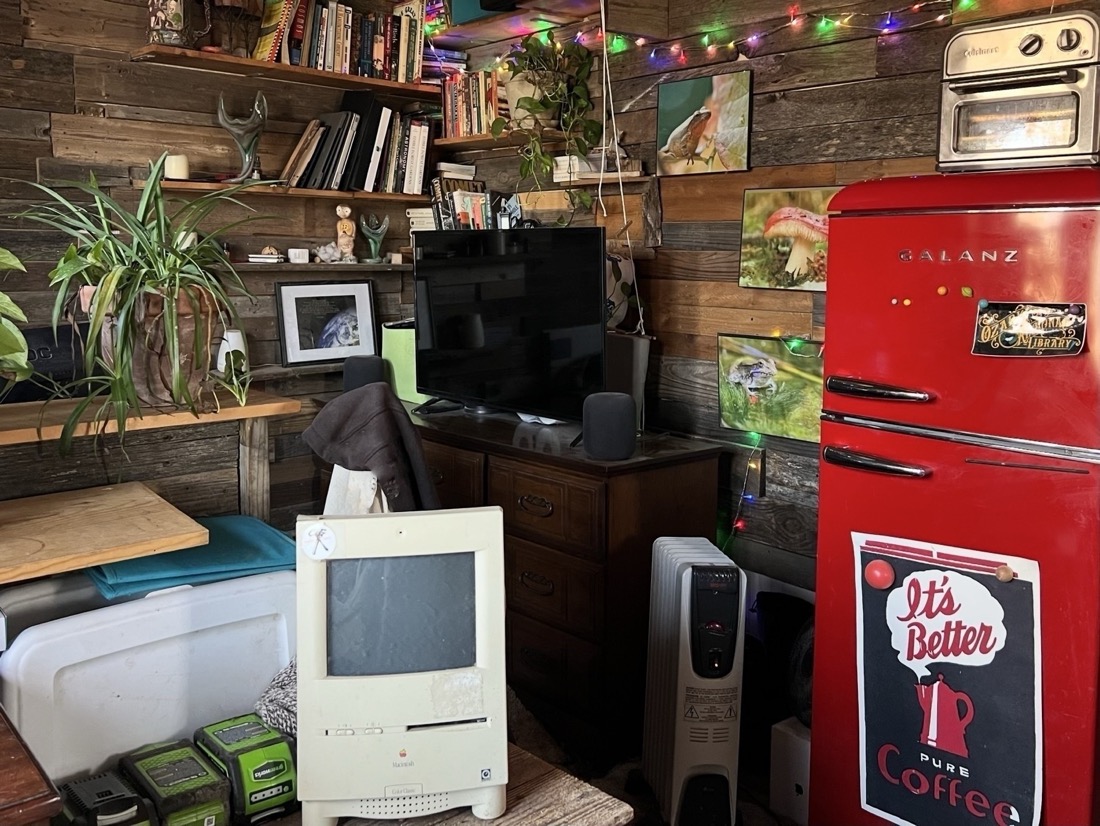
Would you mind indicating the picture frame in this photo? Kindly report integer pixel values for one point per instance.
(785, 237)
(703, 124)
(771, 386)
(325, 321)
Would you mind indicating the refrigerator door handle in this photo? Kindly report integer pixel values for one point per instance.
(876, 464)
(872, 390)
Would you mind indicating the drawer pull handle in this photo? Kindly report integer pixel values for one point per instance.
(436, 474)
(536, 505)
(534, 581)
(536, 659)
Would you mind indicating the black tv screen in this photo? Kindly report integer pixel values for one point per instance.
(511, 319)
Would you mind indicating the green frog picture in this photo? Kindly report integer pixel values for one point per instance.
(703, 124)
(770, 386)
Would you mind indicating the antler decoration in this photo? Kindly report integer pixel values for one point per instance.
(246, 134)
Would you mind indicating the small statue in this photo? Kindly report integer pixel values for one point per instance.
(328, 254)
(246, 134)
(345, 234)
(373, 230)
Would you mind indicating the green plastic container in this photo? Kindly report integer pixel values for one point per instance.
(258, 762)
(185, 789)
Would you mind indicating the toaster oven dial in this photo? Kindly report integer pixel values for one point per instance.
(1069, 39)
(1031, 45)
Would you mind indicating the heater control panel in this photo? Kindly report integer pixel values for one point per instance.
(715, 607)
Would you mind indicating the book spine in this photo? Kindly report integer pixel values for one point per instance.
(356, 40)
(402, 155)
(395, 46)
(322, 36)
(313, 34)
(378, 46)
(402, 50)
(411, 73)
(298, 32)
(366, 45)
(330, 35)
(345, 58)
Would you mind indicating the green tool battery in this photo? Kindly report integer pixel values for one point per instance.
(103, 798)
(259, 762)
(185, 789)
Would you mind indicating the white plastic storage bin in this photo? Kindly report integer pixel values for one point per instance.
(790, 771)
(84, 689)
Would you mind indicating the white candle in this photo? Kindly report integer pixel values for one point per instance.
(175, 166)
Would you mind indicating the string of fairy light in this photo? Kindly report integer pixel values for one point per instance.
(713, 44)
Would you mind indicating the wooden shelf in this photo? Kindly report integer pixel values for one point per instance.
(272, 372)
(245, 67)
(76, 529)
(286, 191)
(550, 137)
(29, 422)
(244, 267)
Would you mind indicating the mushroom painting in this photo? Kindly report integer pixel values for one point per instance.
(784, 238)
(703, 124)
(770, 386)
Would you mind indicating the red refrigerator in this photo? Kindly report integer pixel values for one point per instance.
(958, 581)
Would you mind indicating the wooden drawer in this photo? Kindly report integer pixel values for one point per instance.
(550, 506)
(554, 587)
(458, 474)
(552, 664)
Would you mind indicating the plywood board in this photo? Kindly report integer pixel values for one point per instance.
(76, 529)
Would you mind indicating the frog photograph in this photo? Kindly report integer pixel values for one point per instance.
(770, 386)
(703, 124)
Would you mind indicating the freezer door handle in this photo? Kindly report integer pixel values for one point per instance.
(876, 464)
(872, 390)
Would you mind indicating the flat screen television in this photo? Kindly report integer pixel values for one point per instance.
(511, 319)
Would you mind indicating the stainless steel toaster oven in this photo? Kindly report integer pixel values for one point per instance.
(1020, 94)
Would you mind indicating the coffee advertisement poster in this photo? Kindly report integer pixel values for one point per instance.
(948, 674)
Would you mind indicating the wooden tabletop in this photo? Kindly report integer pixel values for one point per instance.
(28, 422)
(58, 532)
(539, 794)
(26, 794)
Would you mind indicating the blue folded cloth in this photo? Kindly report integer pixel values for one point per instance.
(238, 546)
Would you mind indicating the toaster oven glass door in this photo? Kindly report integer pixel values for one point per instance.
(1046, 122)
(1047, 119)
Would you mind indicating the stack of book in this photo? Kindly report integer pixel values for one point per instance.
(470, 104)
(440, 64)
(420, 218)
(570, 168)
(458, 171)
(366, 146)
(333, 36)
(449, 196)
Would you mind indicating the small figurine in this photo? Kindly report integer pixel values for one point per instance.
(328, 254)
(345, 234)
(373, 230)
(246, 134)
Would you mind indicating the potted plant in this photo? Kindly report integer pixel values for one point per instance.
(154, 281)
(547, 89)
(13, 347)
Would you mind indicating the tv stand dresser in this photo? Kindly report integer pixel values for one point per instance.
(578, 541)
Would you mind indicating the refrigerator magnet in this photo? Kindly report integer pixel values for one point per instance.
(1011, 328)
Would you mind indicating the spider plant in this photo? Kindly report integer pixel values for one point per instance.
(155, 281)
(13, 347)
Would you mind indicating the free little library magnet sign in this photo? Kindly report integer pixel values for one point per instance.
(947, 651)
(1009, 328)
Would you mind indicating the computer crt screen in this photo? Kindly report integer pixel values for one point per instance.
(401, 615)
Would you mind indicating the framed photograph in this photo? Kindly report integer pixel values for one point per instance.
(770, 386)
(785, 237)
(325, 321)
(703, 124)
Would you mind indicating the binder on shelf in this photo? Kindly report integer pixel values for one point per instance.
(321, 169)
(273, 25)
(371, 180)
(368, 108)
(336, 175)
(299, 149)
